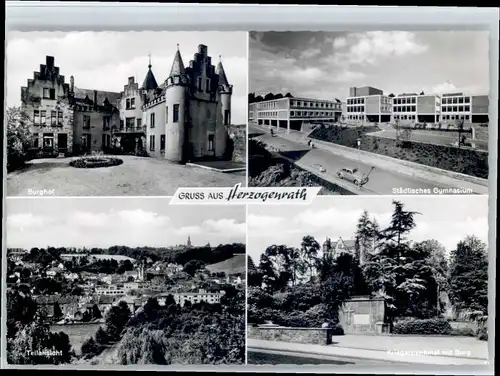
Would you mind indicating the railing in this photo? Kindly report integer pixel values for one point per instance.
(141, 129)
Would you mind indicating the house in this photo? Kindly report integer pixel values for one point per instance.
(52, 272)
(71, 276)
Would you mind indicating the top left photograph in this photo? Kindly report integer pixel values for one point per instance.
(124, 113)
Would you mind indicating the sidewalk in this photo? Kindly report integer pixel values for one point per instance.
(367, 354)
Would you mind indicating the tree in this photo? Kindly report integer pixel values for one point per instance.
(389, 271)
(90, 348)
(468, 275)
(364, 237)
(422, 93)
(116, 319)
(309, 249)
(391, 95)
(96, 312)
(191, 267)
(269, 96)
(57, 310)
(288, 95)
(101, 337)
(21, 311)
(18, 137)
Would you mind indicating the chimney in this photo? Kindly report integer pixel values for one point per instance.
(72, 84)
(49, 61)
(95, 97)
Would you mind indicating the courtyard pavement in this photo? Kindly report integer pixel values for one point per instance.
(137, 176)
(406, 349)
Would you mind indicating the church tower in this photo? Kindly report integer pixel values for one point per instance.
(224, 108)
(140, 272)
(176, 102)
(188, 244)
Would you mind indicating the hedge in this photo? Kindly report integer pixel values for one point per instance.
(426, 326)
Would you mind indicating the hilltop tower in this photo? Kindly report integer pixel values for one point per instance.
(188, 244)
(224, 109)
(176, 95)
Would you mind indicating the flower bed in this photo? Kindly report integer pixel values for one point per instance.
(95, 162)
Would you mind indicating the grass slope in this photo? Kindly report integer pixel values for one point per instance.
(234, 265)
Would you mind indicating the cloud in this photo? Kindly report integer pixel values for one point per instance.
(86, 219)
(226, 225)
(104, 60)
(339, 42)
(139, 217)
(258, 221)
(375, 45)
(27, 220)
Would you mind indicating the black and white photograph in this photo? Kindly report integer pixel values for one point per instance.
(125, 113)
(369, 113)
(124, 282)
(369, 281)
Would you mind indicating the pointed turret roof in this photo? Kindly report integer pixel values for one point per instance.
(178, 65)
(150, 80)
(222, 75)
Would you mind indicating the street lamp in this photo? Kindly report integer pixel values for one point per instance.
(358, 141)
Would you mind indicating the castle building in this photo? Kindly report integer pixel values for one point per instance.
(332, 249)
(184, 118)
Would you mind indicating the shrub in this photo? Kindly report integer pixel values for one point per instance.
(463, 332)
(482, 333)
(426, 326)
(95, 162)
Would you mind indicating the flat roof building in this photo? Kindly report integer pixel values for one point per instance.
(417, 107)
(471, 108)
(368, 104)
(292, 113)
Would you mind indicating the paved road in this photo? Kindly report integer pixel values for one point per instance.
(381, 181)
(429, 138)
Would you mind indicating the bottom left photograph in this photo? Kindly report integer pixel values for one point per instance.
(124, 281)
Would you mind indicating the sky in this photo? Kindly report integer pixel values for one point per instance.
(324, 65)
(104, 60)
(134, 222)
(447, 219)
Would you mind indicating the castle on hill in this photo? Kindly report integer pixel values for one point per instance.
(184, 118)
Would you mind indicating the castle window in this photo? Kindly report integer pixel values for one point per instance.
(152, 142)
(46, 93)
(199, 83)
(48, 140)
(122, 124)
(210, 142)
(36, 117)
(132, 103)
(162, 142)
(60, 118)
(53, 118)
(138, 122)
(166, 114)
(42, 117)
(86, 122)
(176, 113)
(106, 140)
(226, 117)
(207, 85)
(152, 120)
(105, 122)
(129, 123)
(35, 141)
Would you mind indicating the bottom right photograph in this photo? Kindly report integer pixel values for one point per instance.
(369, 280)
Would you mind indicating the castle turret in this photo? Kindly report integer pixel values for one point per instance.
(176, 102)
(225, 92)
(72, 84)
(150, 80)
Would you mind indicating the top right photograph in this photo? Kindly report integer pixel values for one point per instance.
(369, 113)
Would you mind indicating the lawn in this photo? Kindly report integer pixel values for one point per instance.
(137, 176)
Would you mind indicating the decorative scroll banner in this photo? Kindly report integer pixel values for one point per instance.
(240, 195)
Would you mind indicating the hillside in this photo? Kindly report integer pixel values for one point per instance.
(234, 265)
